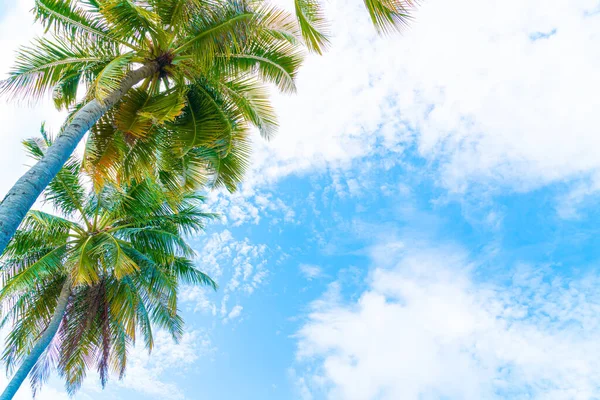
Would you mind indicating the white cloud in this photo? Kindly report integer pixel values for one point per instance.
(427, 329)
(145, 371)
(235, 313)
(466, 84)
(48, 392)
(199, 298)
(238, 266)
(571, 204)
(248, 206)
(311, 272)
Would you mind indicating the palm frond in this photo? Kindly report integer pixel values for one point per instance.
(105, 148)
(48, 265)
(313, 24)
(252, 100)
(65, 17)
(276, 61)
(178, 13)
(125, 18)
(109, 78)
(49, 63)
(228, 27)
(390, 15)
(185, 271)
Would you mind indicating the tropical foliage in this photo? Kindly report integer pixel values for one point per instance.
(188, 122)
(123, 255)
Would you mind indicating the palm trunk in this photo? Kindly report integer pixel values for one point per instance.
(24, 193)
(41, 345)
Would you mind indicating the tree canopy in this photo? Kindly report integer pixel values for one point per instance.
(123, 253)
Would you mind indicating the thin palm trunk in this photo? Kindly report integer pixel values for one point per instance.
(41, 345)
(24, 193)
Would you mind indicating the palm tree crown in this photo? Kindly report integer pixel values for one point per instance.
(203, 86)
(120, 253)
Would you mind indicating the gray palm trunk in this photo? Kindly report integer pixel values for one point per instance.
(25, 192)
(40, 346)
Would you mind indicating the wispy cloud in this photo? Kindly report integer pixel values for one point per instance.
(311, 272)
(235, 313)
(238, 266)
(145, 372)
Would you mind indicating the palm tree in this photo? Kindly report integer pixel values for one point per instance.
(110, 46)
(77, 288)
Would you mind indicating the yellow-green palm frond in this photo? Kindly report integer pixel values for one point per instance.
(177, 13)
(276, 62)
(127, 119)
(228, 26)
(105, 148)
(390, 15)
(49, 64)
(66, 17)
(130, 19)
(313, 24)
(110, 76)
(276, 23)
(252, 100)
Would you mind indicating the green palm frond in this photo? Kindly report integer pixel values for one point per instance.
(390, 15)
(48, 64)
(229, 26)
(109, 78)
(47, 266)
(313, 25)
(178, 13)
(252, 100)
(229, 170)
(104, 151)
(276, 62)
(65, 17)
(182, 170)
(164, 107)
(128, 120)
(28, 316)
(66, 192)
(185, 270)
(277, 24)
(125, 18)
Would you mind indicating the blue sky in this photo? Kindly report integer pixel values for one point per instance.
(424, 226)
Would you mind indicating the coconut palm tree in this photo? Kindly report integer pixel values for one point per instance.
(110, 46)
(79, 287)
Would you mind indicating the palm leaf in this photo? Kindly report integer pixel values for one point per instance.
(65, 17)
(389, 15)
(313, 25)
(125, 18)
(252, 100)
(49, 63)
(229, 26)
(110, 77)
